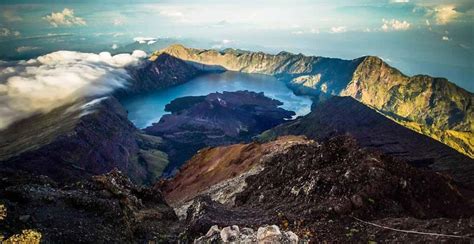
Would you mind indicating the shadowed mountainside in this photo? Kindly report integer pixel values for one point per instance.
(93, 137)
(159, 72)
(345, 115)
(432, 106)
(69, 144)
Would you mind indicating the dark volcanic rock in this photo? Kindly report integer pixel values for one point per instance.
(212, 166)
(342, 178)
(345, 115)
(77, 141)
(319, 191)
(104, 209)
(215, 119)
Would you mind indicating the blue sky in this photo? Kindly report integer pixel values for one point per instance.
(432, 37)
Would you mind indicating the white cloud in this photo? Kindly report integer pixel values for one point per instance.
(65, 18)
(143, 40)
(310, 31)
(445, 38)
(59, 78)
(399, 1)
(118, 22)
(445, 14)
(338, 29)
(223, 43)
(22, 49)
(5, 32)
(395, 25)
(114, 46)
(172, 13)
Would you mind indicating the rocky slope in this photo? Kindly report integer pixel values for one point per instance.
(104, 209)
(345, 115)
(215, 119)
(264, 234)
(81, 140)
(324, 192)
(218, 167)
(432, 106)
(159, 72)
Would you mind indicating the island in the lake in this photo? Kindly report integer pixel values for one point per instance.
(224, 118)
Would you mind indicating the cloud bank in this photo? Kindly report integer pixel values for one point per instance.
(5, 32)
(445, 14)
(338, 29)
(143, 40)
(395, 25)
(65, 18)
(59, 78)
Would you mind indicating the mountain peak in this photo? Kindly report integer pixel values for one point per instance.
(176, 50)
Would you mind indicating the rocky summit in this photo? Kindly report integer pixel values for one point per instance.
(336, 191)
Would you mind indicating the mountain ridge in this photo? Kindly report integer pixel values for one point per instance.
(444, 111)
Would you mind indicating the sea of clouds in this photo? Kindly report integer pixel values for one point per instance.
(59, 78)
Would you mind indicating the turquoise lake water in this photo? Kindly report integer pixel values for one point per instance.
(145, 109)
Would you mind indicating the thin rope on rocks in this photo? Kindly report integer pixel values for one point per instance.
(411, 231)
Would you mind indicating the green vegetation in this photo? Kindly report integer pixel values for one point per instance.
(431, 106)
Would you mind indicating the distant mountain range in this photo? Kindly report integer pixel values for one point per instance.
(431, 106)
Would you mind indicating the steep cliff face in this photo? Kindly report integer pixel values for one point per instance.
(431, 106)
(80, 140)
(332, 74)
(345, 115)
(160, 71)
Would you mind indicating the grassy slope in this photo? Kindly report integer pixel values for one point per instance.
(431, 106)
